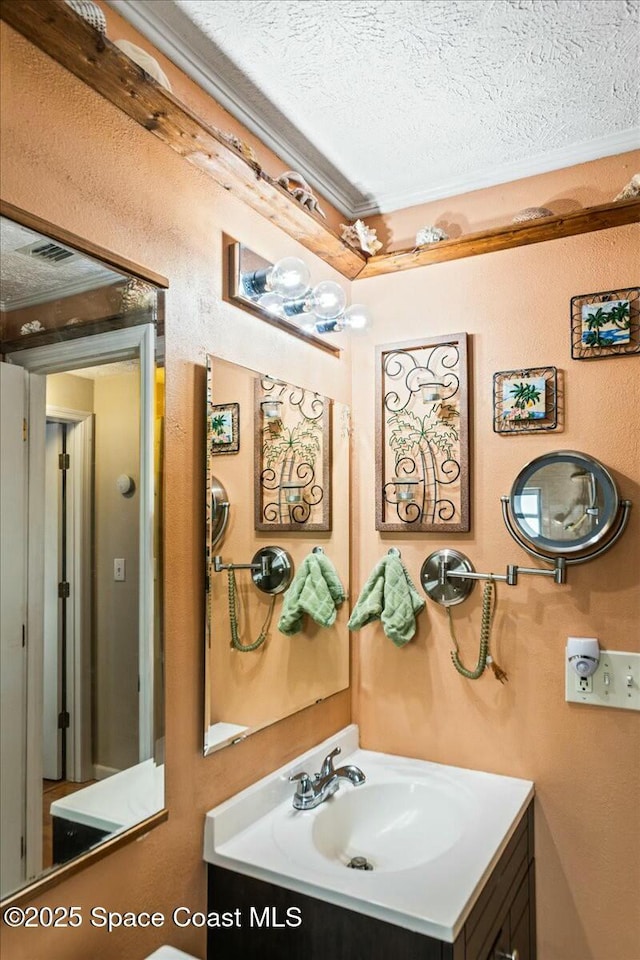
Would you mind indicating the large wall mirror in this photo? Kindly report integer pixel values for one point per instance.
(81, 426)
(278, 455)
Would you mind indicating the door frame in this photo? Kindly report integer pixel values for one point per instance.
(122, 344)
(79, 614)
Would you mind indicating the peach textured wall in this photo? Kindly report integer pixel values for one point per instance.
(205, 107)
(73, 159)
(584, 185)
(584, 761)
(139, 199)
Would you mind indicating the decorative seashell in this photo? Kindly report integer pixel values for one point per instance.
(631, 190)
(145, 61)
(90, 12)
(532, 213)
(34, 326)
(295, 184)
(358, 234)
(136, 295)
(430, 235)
(243, 148)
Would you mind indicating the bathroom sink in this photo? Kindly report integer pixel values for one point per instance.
(424, 836)
(394, 826)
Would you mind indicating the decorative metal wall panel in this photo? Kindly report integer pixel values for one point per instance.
(292, 457)
(422, 459)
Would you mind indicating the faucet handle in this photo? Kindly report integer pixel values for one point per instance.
(304, 786)
(327, 763)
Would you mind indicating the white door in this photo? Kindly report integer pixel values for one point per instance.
(52, 699)
(13, 623)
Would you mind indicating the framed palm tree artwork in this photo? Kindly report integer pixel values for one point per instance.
(605, 324)
(292, 457)
(525, 401)
(422, 430)
(224, 428)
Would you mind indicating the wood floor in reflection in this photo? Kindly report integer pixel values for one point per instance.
(54, 790)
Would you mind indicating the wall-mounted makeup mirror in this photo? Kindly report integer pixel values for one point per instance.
(246, 690)
(563, 508)
(565, 504)
(81, 703)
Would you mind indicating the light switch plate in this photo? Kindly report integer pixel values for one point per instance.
(616, 682)
(119, 569)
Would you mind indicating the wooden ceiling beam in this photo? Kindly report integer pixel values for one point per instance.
(603, 217)
(53, 27)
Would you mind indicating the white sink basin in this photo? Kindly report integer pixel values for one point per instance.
(395, 826)
(430, 833)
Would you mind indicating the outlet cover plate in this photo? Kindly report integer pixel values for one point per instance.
(616, 666)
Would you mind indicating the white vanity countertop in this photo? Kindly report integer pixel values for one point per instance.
(117, 802)
(221, 734)
(258, 833)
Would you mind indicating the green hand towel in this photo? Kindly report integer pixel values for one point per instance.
(389, 596)
(315, 590)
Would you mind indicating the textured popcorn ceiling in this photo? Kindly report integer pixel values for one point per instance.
(390, 102)
(26, 280)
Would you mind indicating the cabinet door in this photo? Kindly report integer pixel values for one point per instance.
(520, 923)
(521, 938)
(500, 946)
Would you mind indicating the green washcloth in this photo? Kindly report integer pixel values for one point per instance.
(315, 590)
(389, 596)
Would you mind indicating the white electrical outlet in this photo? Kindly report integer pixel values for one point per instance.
(584, 684)
(616, 682)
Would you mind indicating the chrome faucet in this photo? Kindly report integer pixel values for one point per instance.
(312, 791)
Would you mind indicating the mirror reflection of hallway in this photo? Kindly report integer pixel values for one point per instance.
(79, 715)
(81, 445)
(90, 689)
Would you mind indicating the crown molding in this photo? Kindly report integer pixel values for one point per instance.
(174, 35)
(605, 146)
(171, 32)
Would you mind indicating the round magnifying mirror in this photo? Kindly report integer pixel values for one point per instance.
(563, 502)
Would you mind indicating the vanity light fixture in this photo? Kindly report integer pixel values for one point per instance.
(284, 291)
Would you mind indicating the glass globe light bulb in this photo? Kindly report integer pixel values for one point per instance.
(329, 300)
(356, 317)
(272, 303)
(308, 323)
(290, 278)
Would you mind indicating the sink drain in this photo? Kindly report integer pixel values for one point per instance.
(360, 863)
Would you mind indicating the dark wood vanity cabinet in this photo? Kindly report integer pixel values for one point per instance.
(70, 839)
(501, 925)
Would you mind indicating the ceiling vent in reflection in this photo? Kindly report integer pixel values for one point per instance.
(51, 252)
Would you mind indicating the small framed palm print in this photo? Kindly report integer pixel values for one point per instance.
(224, 428)
(605, 324)
(525, 401)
